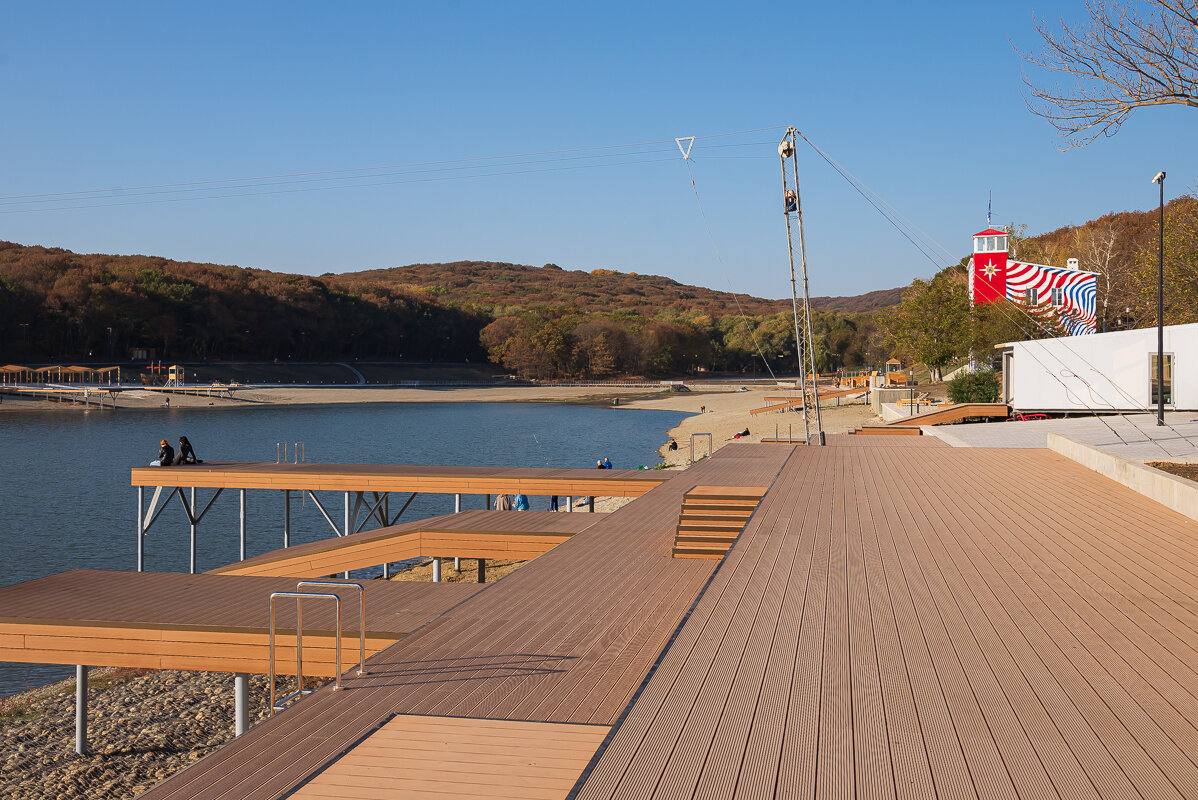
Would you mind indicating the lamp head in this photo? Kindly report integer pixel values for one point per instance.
(1160, 177)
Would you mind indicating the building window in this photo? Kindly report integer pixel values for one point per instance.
(1031, 297)
(1168, 378)
(1058, 296)
(1001, 244)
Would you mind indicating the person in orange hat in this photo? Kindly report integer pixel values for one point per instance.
(166, 455)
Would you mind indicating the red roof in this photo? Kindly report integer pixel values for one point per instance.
(991, 232)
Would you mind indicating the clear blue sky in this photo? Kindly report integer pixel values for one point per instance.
(925, 106)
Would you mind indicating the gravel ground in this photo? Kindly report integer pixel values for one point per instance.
(142, 727)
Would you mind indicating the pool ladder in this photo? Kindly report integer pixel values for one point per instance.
(286, 451)
(300, 597)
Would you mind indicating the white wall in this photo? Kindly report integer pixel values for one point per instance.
(1102, 371)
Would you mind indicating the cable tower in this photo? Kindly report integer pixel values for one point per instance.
(804, 340)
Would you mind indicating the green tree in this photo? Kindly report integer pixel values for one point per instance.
(931, 325)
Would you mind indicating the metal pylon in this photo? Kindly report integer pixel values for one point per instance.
(804, 340)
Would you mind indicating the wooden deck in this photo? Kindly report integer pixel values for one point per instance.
(567, 638)
(519, 535)
(200, 622)
(399, 478)
(447, 758)
(929, 623)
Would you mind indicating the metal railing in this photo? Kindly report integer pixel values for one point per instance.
(710, 447)
(361, 613)
(285, 450)
(279, 705)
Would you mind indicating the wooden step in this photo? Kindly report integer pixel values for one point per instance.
(729, 516)
(699, 552)
(742, 508)
(689, 538)
(703, 526)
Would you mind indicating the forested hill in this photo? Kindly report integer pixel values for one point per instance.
(56, 305)
(496, 285)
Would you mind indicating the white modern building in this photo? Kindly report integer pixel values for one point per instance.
(1113, 371)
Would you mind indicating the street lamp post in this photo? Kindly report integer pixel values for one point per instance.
(1160, 308)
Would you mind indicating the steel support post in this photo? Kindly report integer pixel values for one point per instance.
(591, 504)
(347, 530)
(241, 703)
(436, 570)
(241, 522)
(482, 570)
(191, 521)
(570, 504)
(287, 518)
(81, 709)
(457, 509)
(487, 502)
(141, 529)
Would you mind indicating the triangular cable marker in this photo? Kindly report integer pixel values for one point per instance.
(686, 151)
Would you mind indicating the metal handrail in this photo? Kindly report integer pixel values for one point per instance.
(361, 613)
(299, 646)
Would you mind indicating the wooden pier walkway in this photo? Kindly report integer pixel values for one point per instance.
(404, 478)
(216, 623)
(519, 535)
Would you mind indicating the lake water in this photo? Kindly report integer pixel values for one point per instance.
(66, 502)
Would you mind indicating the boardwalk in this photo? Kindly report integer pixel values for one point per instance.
(931, 623)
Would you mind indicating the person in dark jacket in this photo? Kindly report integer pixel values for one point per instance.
(187, 455)
(166, 454)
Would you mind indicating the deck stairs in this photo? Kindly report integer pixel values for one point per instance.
(712, 517)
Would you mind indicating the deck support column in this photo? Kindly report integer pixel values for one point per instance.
(241, 703)
(487, 502)
(141, 529)
(287, 518)
(457, 509)
(81, 709)
(436, 570)
(570, 504)
(482, 570)
(591, 504)
(192, 522)
(347, 530)
(241, 522)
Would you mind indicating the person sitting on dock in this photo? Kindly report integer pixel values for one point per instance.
(166, 454)
(606, 462)
(503, 502)
(521, 502)
(187, 455)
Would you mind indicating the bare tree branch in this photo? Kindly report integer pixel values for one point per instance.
(1129, 54)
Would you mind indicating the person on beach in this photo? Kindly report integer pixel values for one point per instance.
(673, 445)
(521, 502)
(166, 454)
(503, 502)
(187, 455)
(606, 462)
(553, 502)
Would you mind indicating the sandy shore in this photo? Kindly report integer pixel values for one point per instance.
(726, 414)
(290, 396)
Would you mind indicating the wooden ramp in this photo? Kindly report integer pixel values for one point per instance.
(954, 413)
(787, 403)
(712, 517)
(216, 623)
(519, 535)
(399, 478)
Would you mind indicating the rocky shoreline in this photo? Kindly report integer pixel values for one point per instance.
(142, 726)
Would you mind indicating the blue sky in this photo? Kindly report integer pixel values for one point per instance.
(924, 106)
